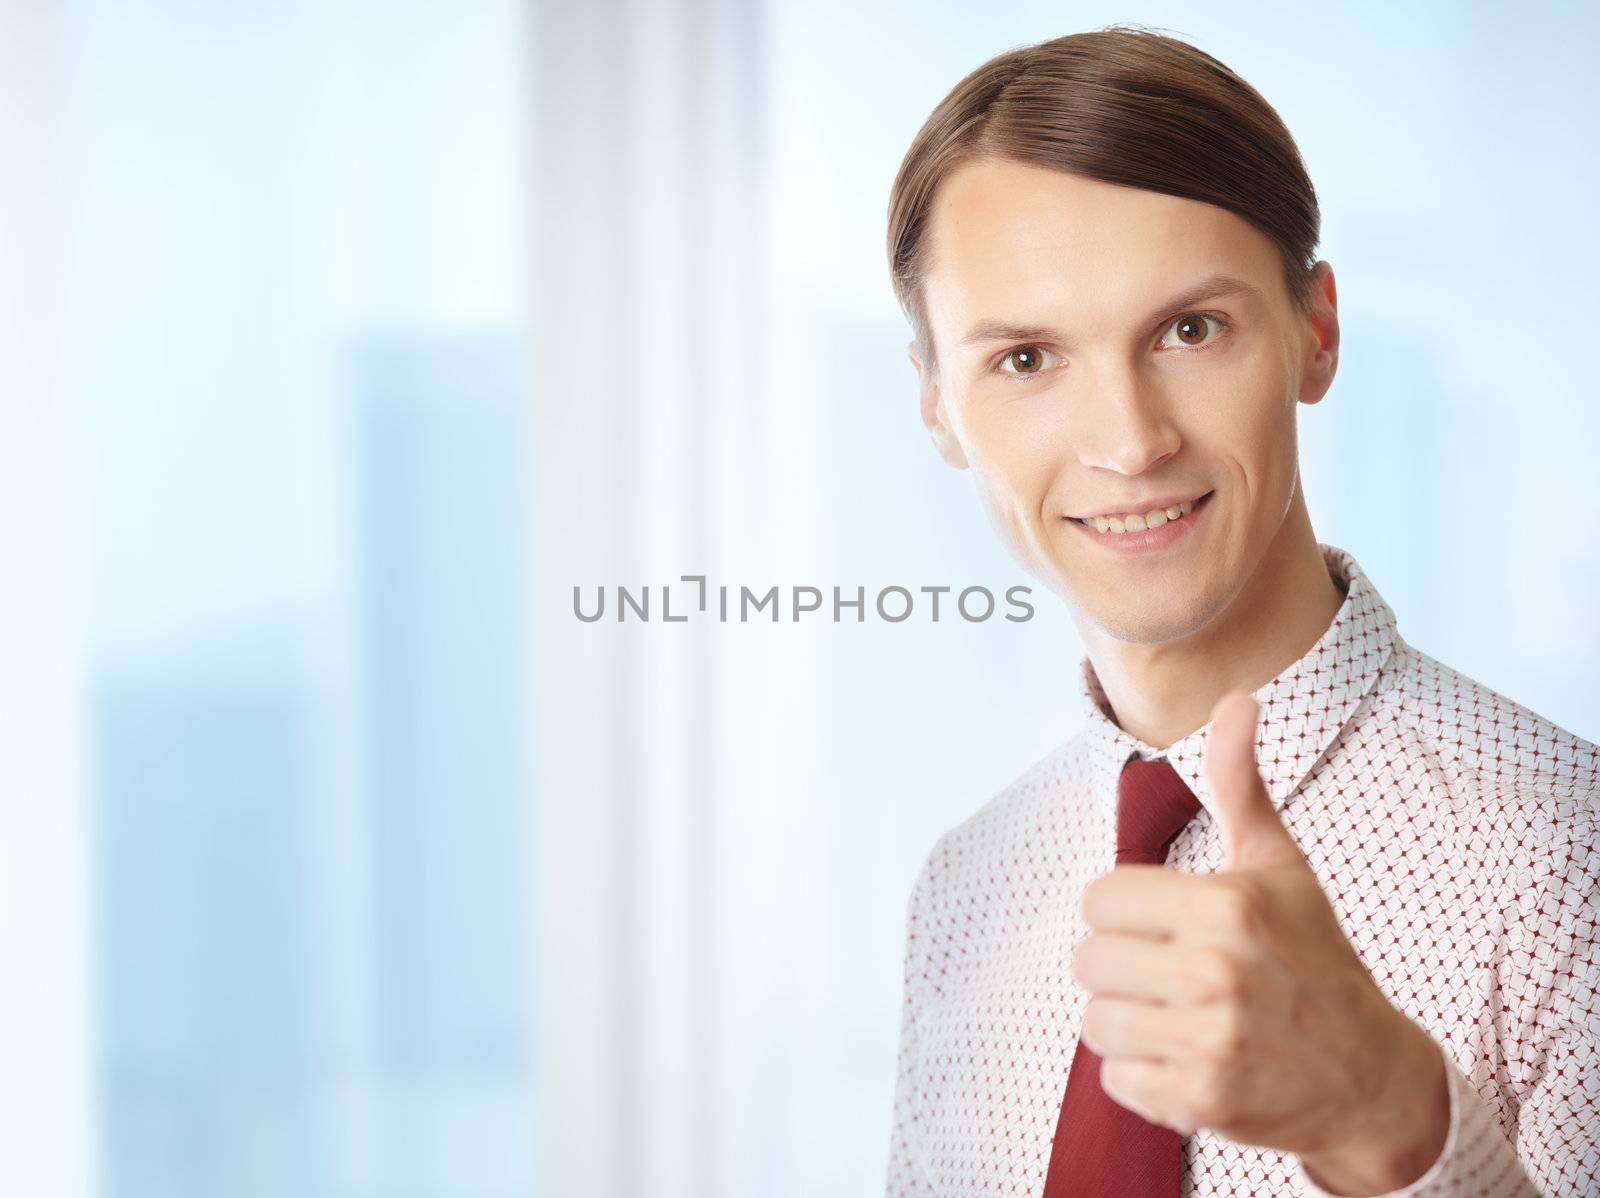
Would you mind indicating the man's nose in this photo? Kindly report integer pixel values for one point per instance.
(1126, 426)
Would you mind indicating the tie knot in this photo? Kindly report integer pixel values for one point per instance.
(1153, 805)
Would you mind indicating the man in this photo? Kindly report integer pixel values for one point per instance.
(1301, 910)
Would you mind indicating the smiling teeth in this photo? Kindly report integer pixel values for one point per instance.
(1134, 522)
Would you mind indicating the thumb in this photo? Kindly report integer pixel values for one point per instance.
(1253, 835)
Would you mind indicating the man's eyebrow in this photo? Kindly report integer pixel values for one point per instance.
(1214, 287)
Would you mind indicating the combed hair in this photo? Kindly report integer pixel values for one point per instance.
(1124, 104)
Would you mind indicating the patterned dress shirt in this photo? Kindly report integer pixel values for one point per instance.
(1454, 833)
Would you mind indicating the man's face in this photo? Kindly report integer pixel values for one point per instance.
(1099, 387)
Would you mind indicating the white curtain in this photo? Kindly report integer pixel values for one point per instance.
(47, 1143)
(656, 457)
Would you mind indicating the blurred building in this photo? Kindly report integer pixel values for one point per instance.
(249, 1047)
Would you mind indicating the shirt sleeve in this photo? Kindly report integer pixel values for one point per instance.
(907, 1172)
(1555, 1150)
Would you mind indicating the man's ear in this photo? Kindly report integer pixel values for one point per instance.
(1322, 332)
(932, 405)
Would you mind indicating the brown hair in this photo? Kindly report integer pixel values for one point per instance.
(1122, 104)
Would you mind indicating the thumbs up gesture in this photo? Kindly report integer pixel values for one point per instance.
(1233, 1001)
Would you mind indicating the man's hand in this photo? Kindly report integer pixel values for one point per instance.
(1233, 1001)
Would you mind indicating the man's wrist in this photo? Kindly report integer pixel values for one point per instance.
(1404, 1132)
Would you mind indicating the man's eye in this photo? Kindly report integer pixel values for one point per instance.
(1024, 360)
(1191, 330)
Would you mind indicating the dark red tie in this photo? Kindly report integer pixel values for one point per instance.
(1102, 1149)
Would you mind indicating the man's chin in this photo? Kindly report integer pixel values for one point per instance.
(1153, 630)
(1172, 615)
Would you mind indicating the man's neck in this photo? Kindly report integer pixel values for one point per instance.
(1162, 693)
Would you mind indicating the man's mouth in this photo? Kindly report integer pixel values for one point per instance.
(1127, 522)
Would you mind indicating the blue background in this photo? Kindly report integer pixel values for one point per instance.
(381, 326)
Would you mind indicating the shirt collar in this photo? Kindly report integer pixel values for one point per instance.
(1302, 709)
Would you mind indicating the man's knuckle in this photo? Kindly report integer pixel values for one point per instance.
(1108, 1023)
(1228, 1034)
(1093, 900)
(1210, 975)
(1079, 962)
(1092, 1013)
